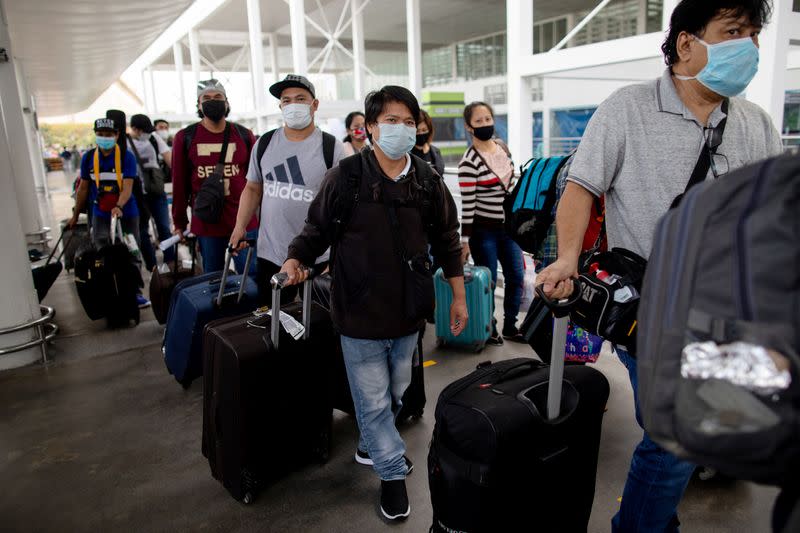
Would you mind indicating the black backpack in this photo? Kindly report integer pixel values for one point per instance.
(349, 185)
(328, 145)
(724, 268)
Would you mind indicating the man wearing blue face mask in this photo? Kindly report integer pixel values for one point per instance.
(287, 166)
(643, 148)
(379, 210)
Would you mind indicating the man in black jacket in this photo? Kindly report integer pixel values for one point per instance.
(395, 207)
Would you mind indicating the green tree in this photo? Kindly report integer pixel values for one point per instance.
(68, 135)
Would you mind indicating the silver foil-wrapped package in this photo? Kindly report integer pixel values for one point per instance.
(753, 367)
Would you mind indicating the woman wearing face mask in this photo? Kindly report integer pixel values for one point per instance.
(356, 139)
(484, 176)
(423, 147)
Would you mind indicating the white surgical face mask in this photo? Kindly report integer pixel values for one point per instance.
(143, 136)
(164, 134)
(297, 116)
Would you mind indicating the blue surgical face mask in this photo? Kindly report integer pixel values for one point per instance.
(396, 140)
(731, 66)
(105, 143)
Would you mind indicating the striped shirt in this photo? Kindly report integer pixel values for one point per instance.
(482, 192)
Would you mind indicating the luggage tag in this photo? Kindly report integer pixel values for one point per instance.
(289, 323)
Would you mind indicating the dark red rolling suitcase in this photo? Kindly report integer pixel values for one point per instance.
(266, 407)
(515, 446)
(162, 284)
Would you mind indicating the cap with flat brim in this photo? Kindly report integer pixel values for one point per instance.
(104, 124)
(292, 80)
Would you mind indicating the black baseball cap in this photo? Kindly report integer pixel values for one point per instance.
(292, 80)
(104, 124)
(142, 122)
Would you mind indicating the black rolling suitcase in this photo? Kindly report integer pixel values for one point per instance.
(108, 280)
(510, 452)
(413, 399)
(266, 407)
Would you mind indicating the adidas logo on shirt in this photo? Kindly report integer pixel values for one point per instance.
(287, 186)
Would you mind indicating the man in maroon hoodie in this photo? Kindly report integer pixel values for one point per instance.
(195, 152)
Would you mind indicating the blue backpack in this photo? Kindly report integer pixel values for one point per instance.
(529, 207)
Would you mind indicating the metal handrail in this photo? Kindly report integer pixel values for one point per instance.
(46, 330)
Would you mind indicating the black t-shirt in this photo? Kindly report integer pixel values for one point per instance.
(425, 157)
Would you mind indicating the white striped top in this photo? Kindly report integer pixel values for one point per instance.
(482, 192)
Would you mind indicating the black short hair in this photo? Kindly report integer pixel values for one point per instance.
(470, 108)
(377, 100)
(692, 16)
(158, 121)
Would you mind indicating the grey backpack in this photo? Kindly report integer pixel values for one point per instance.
(725, 267)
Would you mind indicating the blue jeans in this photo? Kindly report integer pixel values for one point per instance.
(487, 247)
(159, 211)
(379, 372)
(157, 206)
(213, 251)
(656, 480)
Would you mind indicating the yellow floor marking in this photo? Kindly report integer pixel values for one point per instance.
(429, 362)
(619, 500)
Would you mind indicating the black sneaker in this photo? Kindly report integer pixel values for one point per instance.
(362, 458)
(512, 334)
(495, 340)
(394, 500)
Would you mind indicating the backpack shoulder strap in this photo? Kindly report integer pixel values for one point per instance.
(428, 180)
(261, 147)
(347, 194)
(244, 133)
(328, 145)
(188, 137)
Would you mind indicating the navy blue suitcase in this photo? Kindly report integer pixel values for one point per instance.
(196, 302)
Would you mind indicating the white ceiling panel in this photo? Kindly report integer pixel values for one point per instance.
(72, 51)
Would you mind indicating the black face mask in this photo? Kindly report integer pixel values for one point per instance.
(214, 109)
(483, 133)
(422, 138)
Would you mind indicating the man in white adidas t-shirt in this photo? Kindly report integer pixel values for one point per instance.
(286, 169)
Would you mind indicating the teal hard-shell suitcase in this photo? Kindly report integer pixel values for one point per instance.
(480, 306)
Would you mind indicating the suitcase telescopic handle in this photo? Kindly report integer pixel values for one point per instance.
(278, 282)
(228, 259)
(560, 310)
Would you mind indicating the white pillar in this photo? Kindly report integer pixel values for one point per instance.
(22, 171)
(358, 52)
(414, 41)
(257, 61)
(194, 57)
(769, 86)
(154, 99)
(148, 103)
(273, 57)
(297, 20)
(641, 17)
(19, 303)
(519, 27)
(668, 6)
(177, 54)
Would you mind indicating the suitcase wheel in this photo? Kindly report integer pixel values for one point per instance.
(248, 498)
(439, 342)
(478, 347)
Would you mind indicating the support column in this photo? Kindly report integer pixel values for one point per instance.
(19, 303)
(358, 51)
(641, 17)
(257, 62)
(668, 6)
(20, 150)
(414, 41)
(177, 54)
(519, 27)
(273, 57)
(148, 103)
(152, 82)
(297, 20)
(768, 88)
(194, 56)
